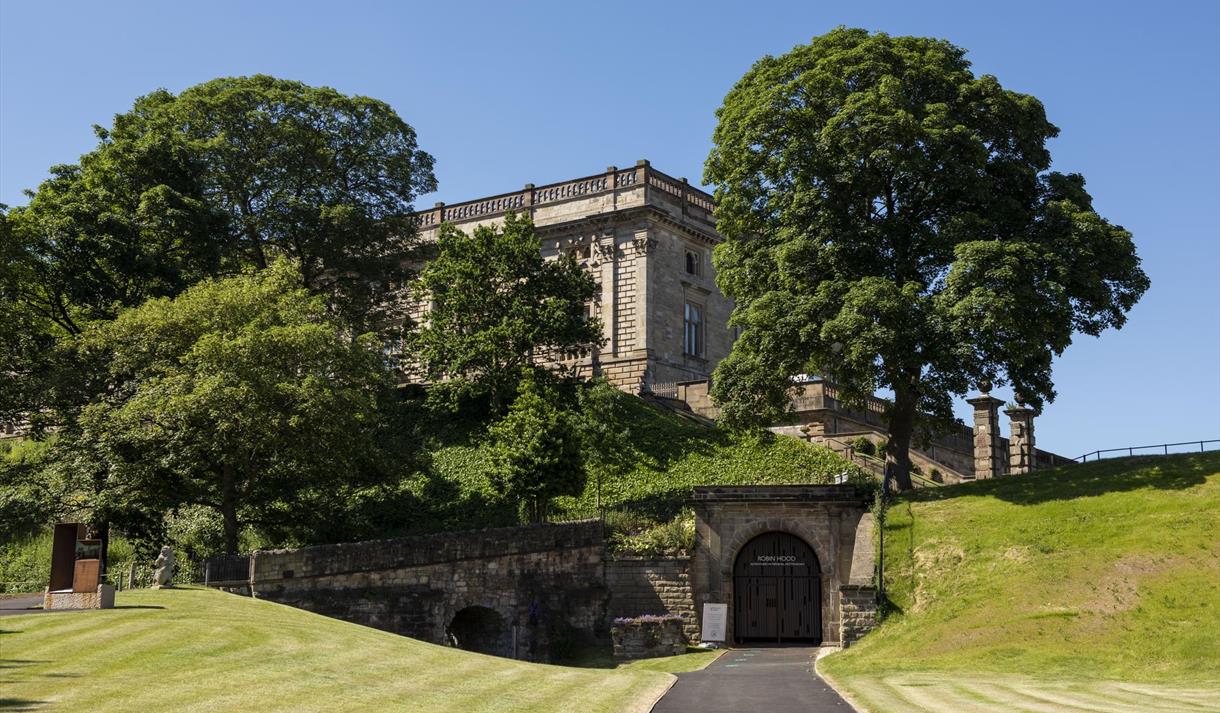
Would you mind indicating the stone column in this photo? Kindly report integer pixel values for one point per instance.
(988, 450)
(1020, 439)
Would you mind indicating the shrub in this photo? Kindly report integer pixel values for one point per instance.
(677, 536)
(864, 446)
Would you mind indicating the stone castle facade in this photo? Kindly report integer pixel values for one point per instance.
(647, 239)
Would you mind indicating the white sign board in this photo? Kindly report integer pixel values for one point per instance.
(714, 617)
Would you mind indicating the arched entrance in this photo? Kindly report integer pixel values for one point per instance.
(777, 593)
(478, 629)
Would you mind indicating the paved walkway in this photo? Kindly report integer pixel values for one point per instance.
(20, 605)
(774, 680)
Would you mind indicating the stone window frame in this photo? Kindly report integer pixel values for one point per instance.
(699, 328)
(692, 258)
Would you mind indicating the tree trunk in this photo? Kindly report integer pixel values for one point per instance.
(228, 508)
(902, 427)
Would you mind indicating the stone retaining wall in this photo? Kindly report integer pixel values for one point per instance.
(858, 613)
(640, 585)
(542, 582)
(647, 637)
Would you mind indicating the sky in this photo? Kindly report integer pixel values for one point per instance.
(536, 92)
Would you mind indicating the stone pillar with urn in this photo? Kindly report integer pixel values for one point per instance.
(988, 449)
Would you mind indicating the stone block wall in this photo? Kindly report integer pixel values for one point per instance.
(857, 612)
(831, 519)
(641, 585)
(647, 637)
(540, 581)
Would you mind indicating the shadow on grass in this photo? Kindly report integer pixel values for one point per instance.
(1173, 472)
(21, 704)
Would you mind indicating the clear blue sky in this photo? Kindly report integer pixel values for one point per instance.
(505, 94)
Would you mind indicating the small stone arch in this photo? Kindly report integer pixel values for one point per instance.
(748, 531)
(480, 629)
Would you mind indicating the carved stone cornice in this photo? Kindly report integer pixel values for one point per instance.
(643, 246)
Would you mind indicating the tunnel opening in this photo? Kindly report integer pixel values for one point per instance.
(479, 629)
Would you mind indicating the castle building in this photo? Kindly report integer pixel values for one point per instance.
(647, 239)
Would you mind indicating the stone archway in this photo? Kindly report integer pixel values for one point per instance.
(825, 517)
(777, 590)
(480, 629)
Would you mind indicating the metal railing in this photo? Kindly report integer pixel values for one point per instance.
(1183, 447)
(224, 568)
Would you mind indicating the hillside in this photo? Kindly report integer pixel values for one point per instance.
(1091, 573)
(193, 649)
(664, 456)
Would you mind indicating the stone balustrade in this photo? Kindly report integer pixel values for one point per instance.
(642, 174)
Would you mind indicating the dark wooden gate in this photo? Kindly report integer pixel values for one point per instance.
(777, 594)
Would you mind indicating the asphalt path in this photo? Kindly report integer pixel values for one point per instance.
(774, 680)
(20, 605)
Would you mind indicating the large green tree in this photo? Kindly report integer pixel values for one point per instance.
(536, 454)
(241, 394)
(228, 174)
(494, 304)
(890, 221)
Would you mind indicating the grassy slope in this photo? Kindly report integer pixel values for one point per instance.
(667, 455)
(1102, 571)
(191, 649)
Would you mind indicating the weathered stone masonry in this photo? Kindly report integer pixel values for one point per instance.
(539, 580)
(647, 585)
(832, 519)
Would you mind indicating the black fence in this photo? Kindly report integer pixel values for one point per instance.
(223, 568)
(1159, 449)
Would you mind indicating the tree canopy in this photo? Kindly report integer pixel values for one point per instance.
(537, 449)
(241, 394)
(890, 221)
(228, 174)
(493, 304)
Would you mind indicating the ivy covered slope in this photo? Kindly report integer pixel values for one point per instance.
(1104, 571)
(664, 455)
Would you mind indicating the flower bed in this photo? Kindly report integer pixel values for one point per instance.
(647, 636)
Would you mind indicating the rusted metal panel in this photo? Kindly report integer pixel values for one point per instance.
(86, 575)
(63, 555)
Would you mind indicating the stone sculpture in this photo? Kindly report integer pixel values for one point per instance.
(165, 568)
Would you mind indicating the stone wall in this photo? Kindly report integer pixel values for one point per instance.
(832, 519)
(538, 582)
(858, 613)
(630, 228)
(652, 586)
(647, 637)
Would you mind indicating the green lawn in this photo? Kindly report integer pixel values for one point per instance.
(194, 649)
(1097, 583)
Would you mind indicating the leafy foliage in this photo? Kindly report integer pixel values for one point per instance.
(536, 450)
(228, 174)
(494, 304)
(890, 221)
(240, 394)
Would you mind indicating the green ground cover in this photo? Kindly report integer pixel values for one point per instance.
(664, 456)
(194, 649)
(1083, 582)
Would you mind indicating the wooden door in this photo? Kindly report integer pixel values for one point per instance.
(777, 590)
